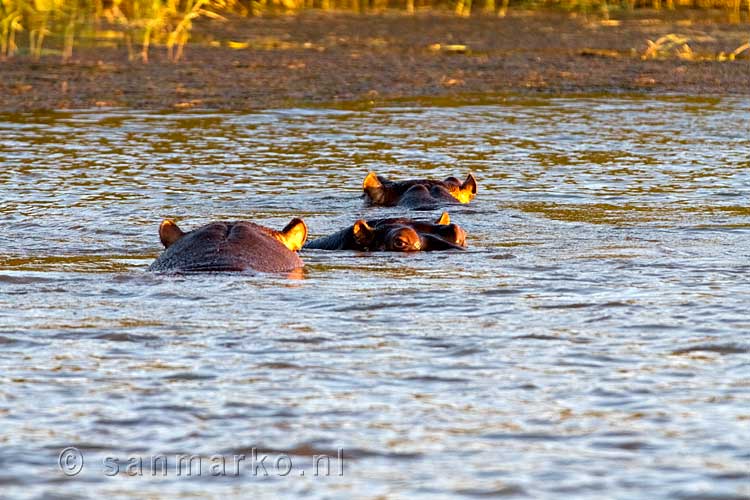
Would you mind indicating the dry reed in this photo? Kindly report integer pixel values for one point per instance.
(168, 23)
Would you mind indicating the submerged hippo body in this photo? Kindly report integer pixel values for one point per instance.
(418, 194)
(395, 235)
(230, 246)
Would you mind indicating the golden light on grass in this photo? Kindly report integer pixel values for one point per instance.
(673, 45)
(26, 25)
(664, 45)
(238, 45)
(453, 48)
(745, 47)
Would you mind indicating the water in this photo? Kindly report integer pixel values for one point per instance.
(592, 343)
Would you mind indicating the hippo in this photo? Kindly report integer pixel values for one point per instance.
(395, 235)
(418, 194)
(230, 246)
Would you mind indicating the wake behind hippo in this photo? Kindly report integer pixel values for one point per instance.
(395, 235)
(418, 194)
(230, 246)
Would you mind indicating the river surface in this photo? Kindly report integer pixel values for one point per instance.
(593, 342)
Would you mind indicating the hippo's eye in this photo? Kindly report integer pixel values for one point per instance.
(400, 243)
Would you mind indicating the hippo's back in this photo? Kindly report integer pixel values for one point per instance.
(227, 246)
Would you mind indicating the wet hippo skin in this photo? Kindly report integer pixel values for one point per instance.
(230, 246)
(418, 194)
(395, 235)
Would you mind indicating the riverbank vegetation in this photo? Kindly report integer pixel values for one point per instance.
(331, 59)
(27, 25)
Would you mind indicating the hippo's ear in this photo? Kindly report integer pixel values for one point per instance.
(470, 184)
(373, 187)
(453, 233)
(444, 219)
(363, 233)
(468, 190)
(293, 236)
(371, 181)
(169, 233)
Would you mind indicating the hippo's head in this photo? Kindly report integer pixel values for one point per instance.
(418, 193)
(293, 235)
(392, 237)
(230, 246)
(407, 235)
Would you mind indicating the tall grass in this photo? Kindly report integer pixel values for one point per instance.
(167, 22)
(25, 25)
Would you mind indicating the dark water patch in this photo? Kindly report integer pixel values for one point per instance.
(463, 351)
(528, 387)
(86, 446)
(438, 344)
(722, 349)
(735, 475)
(652, 327)
(304, 340)
(503, 256)
(168, 408)
(503, 291)
(435, 379)
(125, 337)
(188, 376)
(281, 366)
(708, 495)
(17, 342)
(25, 279)
(12, 480)
(579, 363)
(565, 306)
(131, 422)
(529, 436)
(616, 303)
(634, 446)
(492, 492)
(537, 336)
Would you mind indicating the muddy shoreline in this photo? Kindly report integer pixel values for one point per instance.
(317, 58)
